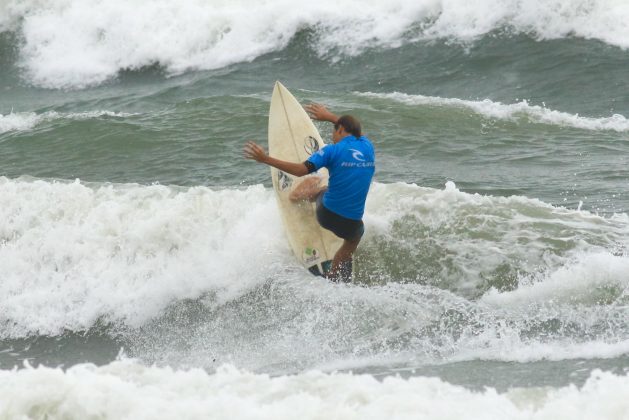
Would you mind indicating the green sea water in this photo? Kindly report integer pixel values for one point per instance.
(188, 130)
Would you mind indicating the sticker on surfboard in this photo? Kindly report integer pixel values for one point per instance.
(321, 269)
(311, 145)
(310, 255)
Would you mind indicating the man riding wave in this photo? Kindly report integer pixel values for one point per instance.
(350, 161)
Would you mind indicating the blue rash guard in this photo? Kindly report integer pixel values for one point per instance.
(351, 163)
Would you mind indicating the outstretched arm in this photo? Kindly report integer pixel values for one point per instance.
(320, 113)
(254, 152)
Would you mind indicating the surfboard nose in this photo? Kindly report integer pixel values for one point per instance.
(279, 90)
(278, 86)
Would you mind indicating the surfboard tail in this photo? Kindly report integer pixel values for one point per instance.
(321, 269)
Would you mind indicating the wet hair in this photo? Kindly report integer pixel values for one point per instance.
(350, 124)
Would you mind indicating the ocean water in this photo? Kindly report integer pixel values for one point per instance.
(144, 270)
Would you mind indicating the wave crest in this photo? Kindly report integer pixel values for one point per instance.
(511, 112)
(79, 43)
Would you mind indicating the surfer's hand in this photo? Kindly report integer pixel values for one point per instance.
(254, 152)
(320, 113)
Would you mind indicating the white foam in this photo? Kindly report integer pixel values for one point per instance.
(511, 348)
(479, 234)
(76, 43)
(71, 254)
(24, 121)
(584, 279)
(604, 20)
(19, 121)
(125, 389)
(584, 299)
(82, 43)
(512, 112)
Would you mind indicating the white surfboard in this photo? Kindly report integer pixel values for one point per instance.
(293, 137)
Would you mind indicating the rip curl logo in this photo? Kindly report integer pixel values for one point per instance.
(358, 164)
(311, 145)
(358, 155)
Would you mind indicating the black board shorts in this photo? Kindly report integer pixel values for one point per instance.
(340, 226)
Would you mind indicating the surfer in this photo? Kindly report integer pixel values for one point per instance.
(350, 161)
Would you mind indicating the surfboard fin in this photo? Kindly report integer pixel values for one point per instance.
(314, 269)
(326, 265)
(323, 270)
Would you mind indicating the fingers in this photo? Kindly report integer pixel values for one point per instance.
(253, 151)
(248, 150)
(318, 112)
(309, 109)
(312, 107)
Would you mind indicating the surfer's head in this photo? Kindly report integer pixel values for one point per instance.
(345, 126)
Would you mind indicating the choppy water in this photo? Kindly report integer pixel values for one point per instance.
(133, 236)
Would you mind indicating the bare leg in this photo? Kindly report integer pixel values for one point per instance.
(342, 257)
(307, 190)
